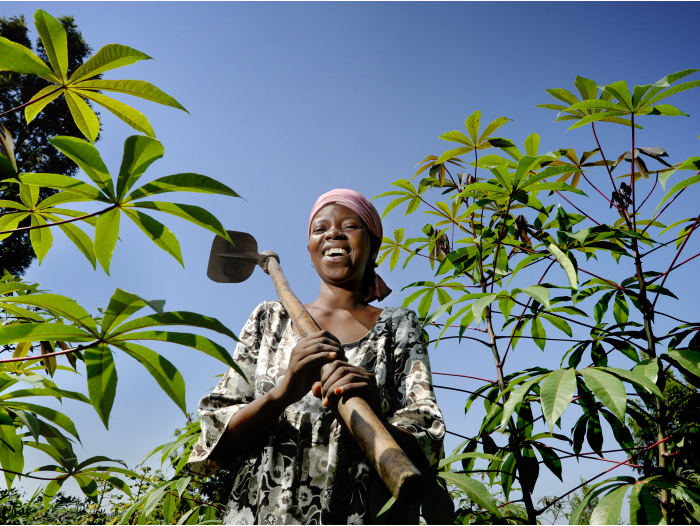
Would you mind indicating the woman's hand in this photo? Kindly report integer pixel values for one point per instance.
(305, 363)
(339, 379)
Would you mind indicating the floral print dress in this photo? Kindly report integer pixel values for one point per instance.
(309, 470)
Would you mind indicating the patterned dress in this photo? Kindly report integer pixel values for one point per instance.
(309, 470)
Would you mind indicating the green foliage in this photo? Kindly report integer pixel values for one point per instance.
(40, 329)
(501, 220)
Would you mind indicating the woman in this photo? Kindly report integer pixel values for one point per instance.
(296, 462)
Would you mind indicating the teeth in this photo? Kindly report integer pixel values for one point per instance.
(335, 251)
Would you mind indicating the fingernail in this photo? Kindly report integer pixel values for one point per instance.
(338, 390)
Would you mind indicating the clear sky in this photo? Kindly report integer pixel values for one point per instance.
(290, 100)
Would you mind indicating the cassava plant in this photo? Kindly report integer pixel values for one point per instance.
(494, 220)
(39, 329)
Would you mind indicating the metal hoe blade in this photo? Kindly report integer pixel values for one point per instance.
(233, 264)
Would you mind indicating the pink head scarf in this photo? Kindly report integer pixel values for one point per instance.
(359, 204)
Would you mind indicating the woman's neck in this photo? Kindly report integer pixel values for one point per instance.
(333, 298)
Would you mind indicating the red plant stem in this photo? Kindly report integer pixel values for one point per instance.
(603, 155)
(674, 268)
(470, 328)
(465, 376)
(678, 253)
(512, 335)
(59, 222)
(601, 193)
(576, 207)
(667, 205)
(29, 103)
(617, 465)
(650, 192)
(461, 391)
(461, 337)
(41, 356)
(31, 476)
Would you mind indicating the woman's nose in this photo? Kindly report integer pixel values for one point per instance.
(334, 233)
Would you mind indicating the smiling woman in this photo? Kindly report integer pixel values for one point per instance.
(296, 462)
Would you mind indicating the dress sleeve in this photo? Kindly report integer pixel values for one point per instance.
(230, 395)
(416, 408)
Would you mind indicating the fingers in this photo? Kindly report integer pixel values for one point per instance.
(346, 386)
(338, 373)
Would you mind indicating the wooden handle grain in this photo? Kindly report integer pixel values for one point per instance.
(402, 478)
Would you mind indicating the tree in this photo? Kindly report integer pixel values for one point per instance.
(499, 212)
(32, 150)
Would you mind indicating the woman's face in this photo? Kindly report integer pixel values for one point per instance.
(339, 244)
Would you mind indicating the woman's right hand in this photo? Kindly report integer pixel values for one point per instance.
(307, 358)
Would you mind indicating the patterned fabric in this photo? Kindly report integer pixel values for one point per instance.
(309, 470)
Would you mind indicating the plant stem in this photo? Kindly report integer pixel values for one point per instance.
(48, 355)
(603, 155)
(29, 103)
(464, 376)
(59, 222)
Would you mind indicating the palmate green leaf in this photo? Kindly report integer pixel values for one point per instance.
(492, 127)
(85, 119)
(184, 182)
(550, 459)
(174, 318)
(11, 457)
(62, 182)
(595, 117)
(88, 158)
(108, 57)
(52, 488)
(193, 214)
(566, 264)
(33, 332)
(671, 91)
(194, 341)
(472, 125)
(60, 198)
(643, 507)
(456, 136)
(556, 393)
(621, 92)
(139, 153)
(609, 390)
(620, 309)
(559, 323)
(50, 94)
(451, 154)
(28, 195)
(79, 238)
(608, 509)
(539, 293)
(88, 486)
(474, 489)
(688, 360)
(55, 41)
(164, 372)
(106, 235)
(516, 397)
(7, 169)
(121, 306)
(137, 88)
(538, 333)
(678, 187)
(101, 380)
(596, 104)
(49, 414)
(156, 232)
(126, 113)
(8, 222)
(635, 376)
(59, 305)
(15, 57)
(41, 238)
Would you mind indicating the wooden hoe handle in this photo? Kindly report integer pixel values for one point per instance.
(402, 478)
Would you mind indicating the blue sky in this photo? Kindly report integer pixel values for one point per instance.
(290, 100)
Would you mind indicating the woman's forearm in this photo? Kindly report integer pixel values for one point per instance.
(250, 424)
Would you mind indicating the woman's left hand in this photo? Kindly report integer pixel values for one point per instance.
(339, 379)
